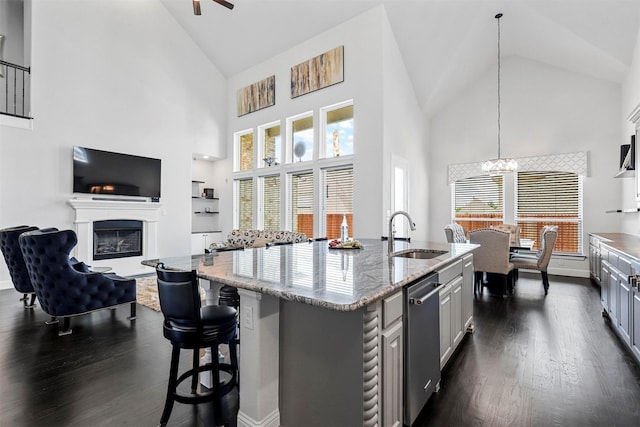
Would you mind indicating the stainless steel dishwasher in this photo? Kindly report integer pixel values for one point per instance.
(422, 345)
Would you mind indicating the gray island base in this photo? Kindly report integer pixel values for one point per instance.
(322, 329)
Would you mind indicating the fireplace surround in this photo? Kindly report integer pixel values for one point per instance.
(88, 212)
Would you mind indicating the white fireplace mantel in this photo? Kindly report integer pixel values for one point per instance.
(87, 211)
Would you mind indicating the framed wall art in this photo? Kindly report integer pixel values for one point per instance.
(256, 96)
(318, 72)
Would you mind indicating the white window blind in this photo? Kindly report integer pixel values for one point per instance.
(550, 198)
(245, 203)
(338, 201)
(478, 202)
(301, 210)
(271, 203)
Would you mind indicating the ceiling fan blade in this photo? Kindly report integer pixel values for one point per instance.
(196, 7)
(224, 3)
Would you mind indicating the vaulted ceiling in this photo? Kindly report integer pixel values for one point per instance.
(444, 43)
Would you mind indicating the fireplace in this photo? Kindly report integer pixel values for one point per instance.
(88, 212)
(117, 238)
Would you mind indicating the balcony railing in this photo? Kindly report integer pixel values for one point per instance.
(14, 91)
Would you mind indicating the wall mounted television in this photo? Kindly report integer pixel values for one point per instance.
(115, 174)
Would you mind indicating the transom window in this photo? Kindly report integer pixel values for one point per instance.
(338, 131)
(302, 139)
(244, 151)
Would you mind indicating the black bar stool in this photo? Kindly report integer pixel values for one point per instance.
(188, 325)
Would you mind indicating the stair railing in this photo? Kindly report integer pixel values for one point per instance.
(14, 91)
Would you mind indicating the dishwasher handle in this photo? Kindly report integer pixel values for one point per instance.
(421, 300)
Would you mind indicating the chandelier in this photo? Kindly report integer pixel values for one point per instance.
(499, 166)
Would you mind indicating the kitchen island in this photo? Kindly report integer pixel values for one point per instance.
(322, 329)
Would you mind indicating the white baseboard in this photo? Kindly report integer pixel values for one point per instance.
(560, 271)
(271, 420)
(6, 284)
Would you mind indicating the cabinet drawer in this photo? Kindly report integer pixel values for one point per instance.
(613, 259)
(624, 265)
(391, 309)
(450, 272)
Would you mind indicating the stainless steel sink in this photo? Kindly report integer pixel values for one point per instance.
(420, 253)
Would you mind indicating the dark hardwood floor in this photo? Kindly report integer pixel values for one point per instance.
(533, 360)
(539, 361)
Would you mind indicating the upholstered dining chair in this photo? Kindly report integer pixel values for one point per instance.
(513, 230)
(15, 262)
(455, 233)
(63, 290)
(491, 257)
(539, 261)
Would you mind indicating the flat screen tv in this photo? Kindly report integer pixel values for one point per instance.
(117, 174)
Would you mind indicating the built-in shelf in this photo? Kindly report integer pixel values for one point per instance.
(623, 210)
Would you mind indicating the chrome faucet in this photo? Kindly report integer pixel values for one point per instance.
(391, 232)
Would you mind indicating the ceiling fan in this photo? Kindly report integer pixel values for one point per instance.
(196, 5)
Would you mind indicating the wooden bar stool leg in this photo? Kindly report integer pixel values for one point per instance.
(196, 363)
(171, 388)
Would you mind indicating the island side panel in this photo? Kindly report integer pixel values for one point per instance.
(321, 366)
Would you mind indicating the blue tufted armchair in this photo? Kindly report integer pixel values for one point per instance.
(63, 290)
(15, 262)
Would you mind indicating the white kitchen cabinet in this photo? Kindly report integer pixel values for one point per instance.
(457, 325)
(619, 294)
(467, 293)
(456, 306)
(635, 331)
(446, 343)
(392, 359)
(392, 339)
(201, 241)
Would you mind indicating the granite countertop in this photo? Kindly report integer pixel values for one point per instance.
(626, 243)
(311, 273)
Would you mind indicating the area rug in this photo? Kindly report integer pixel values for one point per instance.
(147, 292)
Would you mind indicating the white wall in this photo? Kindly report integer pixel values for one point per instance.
(545, 110)
(12, 28)
(404, 137)
(630, 100)
(117, 75)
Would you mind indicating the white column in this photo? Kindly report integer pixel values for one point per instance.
(259, 360)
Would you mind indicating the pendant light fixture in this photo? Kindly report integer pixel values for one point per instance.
(499, 166)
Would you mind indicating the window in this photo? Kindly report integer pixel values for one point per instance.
(338, 201)
(245, 151)
(284, 179)
(302, 138)
(550, 198)
(338, 131)
(271, 147)
(245, 203)
(302, 203)
(478, 202)
(271, 203)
